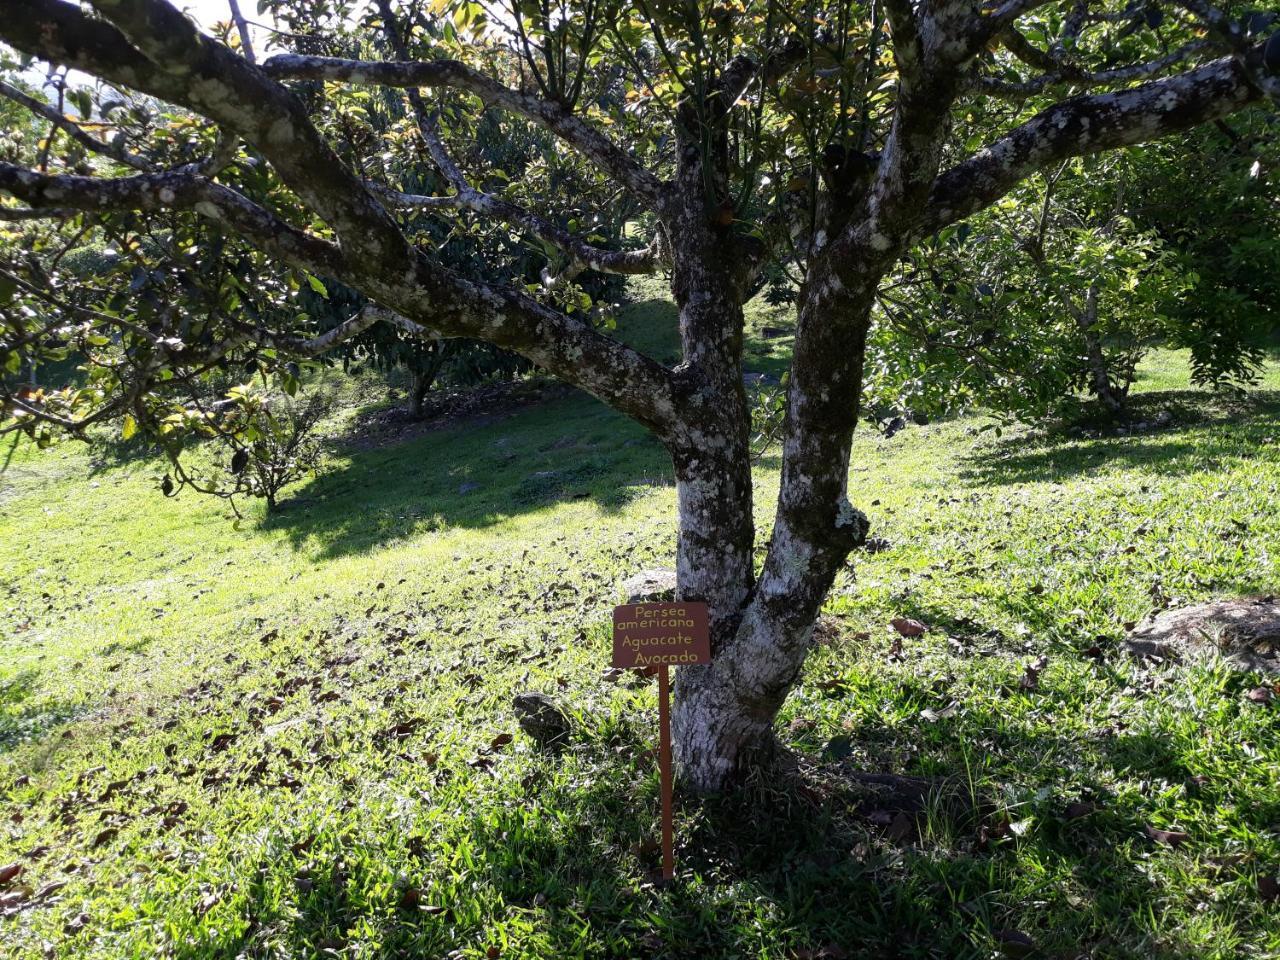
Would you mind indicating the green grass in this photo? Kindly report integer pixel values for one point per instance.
(283, 738)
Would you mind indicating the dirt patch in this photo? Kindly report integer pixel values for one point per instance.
(449, 408)
(1245, 632)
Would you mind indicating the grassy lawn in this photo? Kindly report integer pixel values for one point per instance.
(292, 737)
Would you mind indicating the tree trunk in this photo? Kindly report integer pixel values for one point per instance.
(724, 713)
(418, 393)
(1101, 384)
(423, 379)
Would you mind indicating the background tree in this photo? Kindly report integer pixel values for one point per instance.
(831, 136)
(1211, 195)
(1052, 293)
(1062, 287)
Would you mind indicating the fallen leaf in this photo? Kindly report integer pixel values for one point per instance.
(1080, 809)
(221, 742)
(833, 687)
(838, 748)
(933, 716)
(410, 899)
(9, 873)
(1172, 837)
(1259, 695)
(77, 923)
(207, 903)
(500, 741)
(908, 627)
(1030, 679)
(106, 836)
(1268, 888)
(49, 889)
(1014, 943)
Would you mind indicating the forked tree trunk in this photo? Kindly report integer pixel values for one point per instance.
(723, 717)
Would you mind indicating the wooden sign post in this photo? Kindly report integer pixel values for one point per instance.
(659, 636)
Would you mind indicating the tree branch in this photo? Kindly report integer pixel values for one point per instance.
(575, 131)
(1063, 74)
(242, 27)
(374, 256)
(908, 50)
(73, 130)
(583, 255)
(1084, 125)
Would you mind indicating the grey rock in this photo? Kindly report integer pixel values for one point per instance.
(650, 586)
(1245, 632)
(541, 719)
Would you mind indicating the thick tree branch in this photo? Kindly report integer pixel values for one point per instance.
(740, 72)
(566, 346)
(1230, 33)
(575, 131)
(1085, 125)
(208, 78)
(908, 49)
(174, 190)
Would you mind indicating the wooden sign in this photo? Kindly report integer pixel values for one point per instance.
(658, 636)
(661, 634)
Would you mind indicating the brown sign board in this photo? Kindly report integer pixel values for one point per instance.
(661, 634)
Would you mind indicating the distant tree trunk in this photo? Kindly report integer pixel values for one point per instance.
(1101, 384)
(423, 379)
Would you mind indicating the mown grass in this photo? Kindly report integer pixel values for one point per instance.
(288, 737)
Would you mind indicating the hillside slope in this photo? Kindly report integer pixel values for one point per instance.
(289, 737)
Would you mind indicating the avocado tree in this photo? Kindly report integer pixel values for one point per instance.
(1058, 291)
(1052, 293)
(830, 135)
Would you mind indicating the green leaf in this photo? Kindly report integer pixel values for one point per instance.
(317, 286)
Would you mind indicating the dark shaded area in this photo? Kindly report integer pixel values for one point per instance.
(22, 717)
(839, 864)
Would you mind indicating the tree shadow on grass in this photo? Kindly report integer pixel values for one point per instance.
(572, 869)
(1204, 430)
(473, 476)
(23, 715)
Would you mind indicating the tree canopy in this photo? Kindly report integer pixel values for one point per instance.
(716, 142)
